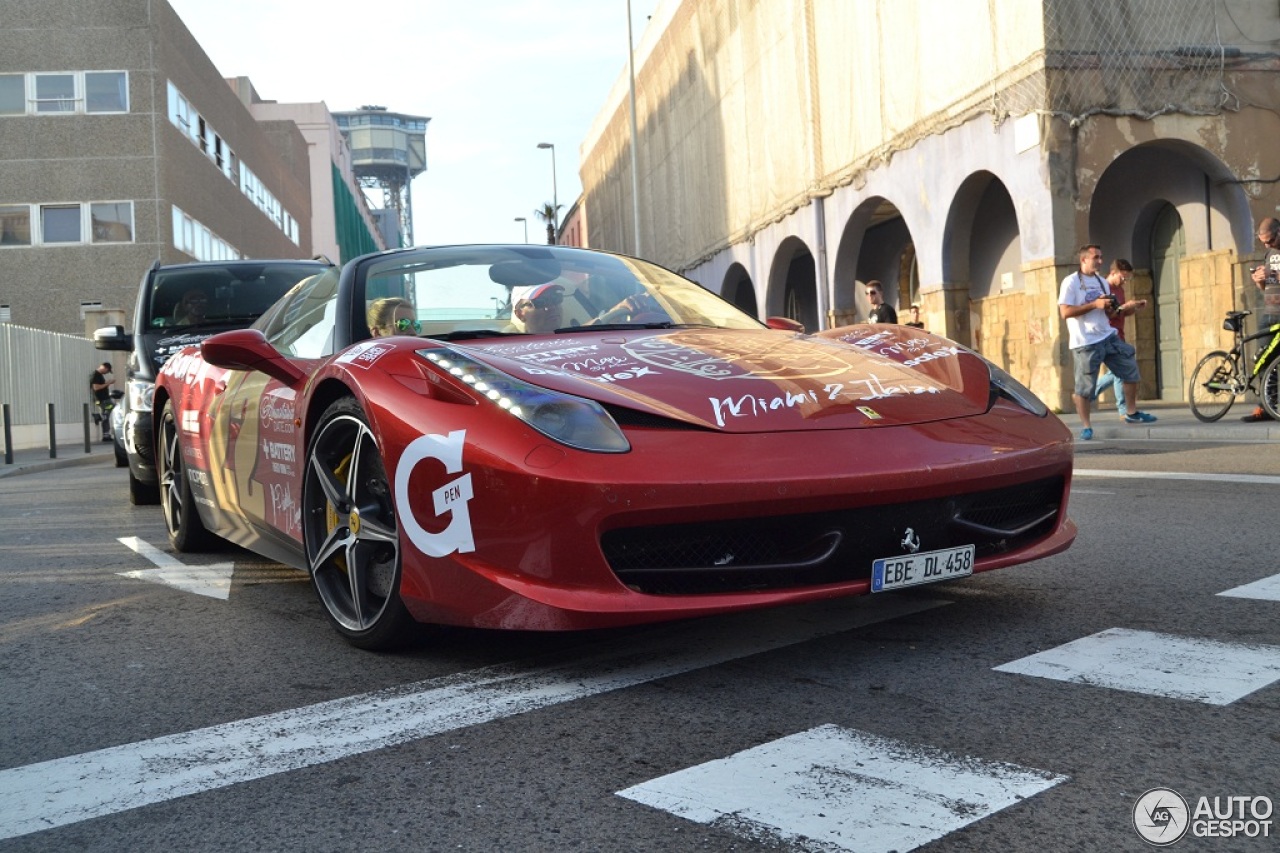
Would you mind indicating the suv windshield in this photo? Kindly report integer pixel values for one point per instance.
(213, 294)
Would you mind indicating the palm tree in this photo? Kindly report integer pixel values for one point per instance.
(549, 213)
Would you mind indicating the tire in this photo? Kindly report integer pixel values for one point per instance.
(350, 532)
(122, 458)
(187, 533)
(142, 494)
(1210, 404)
(1269, 389)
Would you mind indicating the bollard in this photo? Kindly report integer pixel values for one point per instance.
(53, 431)
(88, 448)
(8, 436)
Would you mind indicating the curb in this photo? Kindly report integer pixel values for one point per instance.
(19, 467)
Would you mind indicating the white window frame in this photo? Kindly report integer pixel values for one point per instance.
(34, 100)
(60, 205)
(93, 238)
(84, 76)
(32, 236)
(78, 100)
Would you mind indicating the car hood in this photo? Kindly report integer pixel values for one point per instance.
(757, 381)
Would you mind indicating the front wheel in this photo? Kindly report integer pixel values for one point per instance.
(187, 532)
(349, 529)
(1269, 389)
(1212, 389)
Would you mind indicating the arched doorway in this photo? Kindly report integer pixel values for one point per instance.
(1167, 248)
(793, 284)
(739, 290)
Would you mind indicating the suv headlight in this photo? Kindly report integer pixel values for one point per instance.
(141, 393)
(574, 421)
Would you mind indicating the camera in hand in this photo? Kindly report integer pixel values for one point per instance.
(1114, 300)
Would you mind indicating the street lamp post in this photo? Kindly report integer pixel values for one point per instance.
(526, 227)
(555, 200)
(635, 171)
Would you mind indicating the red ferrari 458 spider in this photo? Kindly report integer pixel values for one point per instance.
(540, 437)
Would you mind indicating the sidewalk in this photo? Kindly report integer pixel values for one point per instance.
(36, 459)
(1175, 423)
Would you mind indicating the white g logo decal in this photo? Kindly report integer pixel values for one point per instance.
(451, 497)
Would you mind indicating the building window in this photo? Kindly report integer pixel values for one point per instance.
(65, 223)
(198, 241)
(60, 223)
(64, 93)
(15, 225)
(106, 92)
(55, 93)
(111, 221)
(13, 94)
(182, 116)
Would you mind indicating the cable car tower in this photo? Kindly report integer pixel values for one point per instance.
(388, 150)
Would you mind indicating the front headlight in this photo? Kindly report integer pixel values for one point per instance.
(574, 421)
(1006, 386)
(141, 393)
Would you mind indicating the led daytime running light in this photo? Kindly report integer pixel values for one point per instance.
(573, 421)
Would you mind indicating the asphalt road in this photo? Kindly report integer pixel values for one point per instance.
(1025, 709)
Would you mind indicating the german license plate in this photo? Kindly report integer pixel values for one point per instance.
(926, 567)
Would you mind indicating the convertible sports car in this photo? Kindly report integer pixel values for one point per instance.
(539, 437)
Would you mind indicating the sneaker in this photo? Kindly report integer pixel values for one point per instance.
(1259, 414)
(1086, 434)
(1140, 418)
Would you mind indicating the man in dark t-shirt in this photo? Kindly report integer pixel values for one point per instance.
(880, 311)
(100, 382)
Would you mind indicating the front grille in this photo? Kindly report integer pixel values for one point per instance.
(796, 551)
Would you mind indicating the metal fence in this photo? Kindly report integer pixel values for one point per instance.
(38, 368)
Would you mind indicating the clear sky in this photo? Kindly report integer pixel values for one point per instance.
(496, 77)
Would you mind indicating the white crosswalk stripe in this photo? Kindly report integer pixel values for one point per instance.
(1267, 589)
(835, 789)
(1157, 664)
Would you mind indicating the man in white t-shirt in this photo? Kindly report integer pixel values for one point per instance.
(1085, 301)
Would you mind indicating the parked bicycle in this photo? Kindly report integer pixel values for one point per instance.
(1220, 376)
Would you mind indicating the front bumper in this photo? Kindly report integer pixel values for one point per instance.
(139, 446)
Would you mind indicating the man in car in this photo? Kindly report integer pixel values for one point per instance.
(191, 308)
(539, 309)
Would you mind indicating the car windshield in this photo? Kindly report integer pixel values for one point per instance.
(213, 294)
(478, 291)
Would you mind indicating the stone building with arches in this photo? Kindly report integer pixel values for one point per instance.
(788, 150)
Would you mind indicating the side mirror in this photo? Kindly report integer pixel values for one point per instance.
(112, 338)
(247, 349)
(785, 324)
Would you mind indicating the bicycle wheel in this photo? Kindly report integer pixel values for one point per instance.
(1212, 391)
(1269, 389)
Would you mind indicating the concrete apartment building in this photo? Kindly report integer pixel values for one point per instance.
(960, 151)
(121, 144)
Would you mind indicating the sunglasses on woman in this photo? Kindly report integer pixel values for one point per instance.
(405, 325)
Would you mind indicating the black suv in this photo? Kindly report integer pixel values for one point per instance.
(179, 305)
